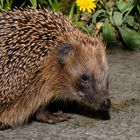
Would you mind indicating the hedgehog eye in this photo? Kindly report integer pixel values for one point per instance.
(84, 78)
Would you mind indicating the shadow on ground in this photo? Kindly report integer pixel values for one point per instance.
(74, 107)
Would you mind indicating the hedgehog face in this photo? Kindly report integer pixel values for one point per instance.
(85, 72)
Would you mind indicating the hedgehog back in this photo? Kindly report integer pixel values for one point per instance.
(26, 38)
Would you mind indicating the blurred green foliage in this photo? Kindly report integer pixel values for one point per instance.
(115, 20)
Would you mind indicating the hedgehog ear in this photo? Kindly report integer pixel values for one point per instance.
(64, 50)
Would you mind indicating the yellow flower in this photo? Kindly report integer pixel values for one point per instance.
(88, 5)
(98, 27)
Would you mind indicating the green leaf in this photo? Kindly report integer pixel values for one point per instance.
(71, 13)
(130, 20)
(117, 18)
(138, 7)
(108, 33)
(1, 8)
(89, 28)
(42, 2)
(97, 13)
(124, 6)
(34, 3)
(2, 3)
(80, 25)
(130, 37)
(54, 5)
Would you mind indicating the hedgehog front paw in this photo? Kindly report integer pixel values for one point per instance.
(52, 118)
(4, 126)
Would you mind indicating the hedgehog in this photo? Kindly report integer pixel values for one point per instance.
(44, 57)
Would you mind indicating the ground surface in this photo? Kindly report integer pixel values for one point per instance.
(125, 113)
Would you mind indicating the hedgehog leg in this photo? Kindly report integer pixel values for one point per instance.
(4, 126)
(43, 115)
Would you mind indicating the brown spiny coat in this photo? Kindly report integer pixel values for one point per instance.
(35, 66)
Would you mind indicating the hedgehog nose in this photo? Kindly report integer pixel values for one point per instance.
(105, 104)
